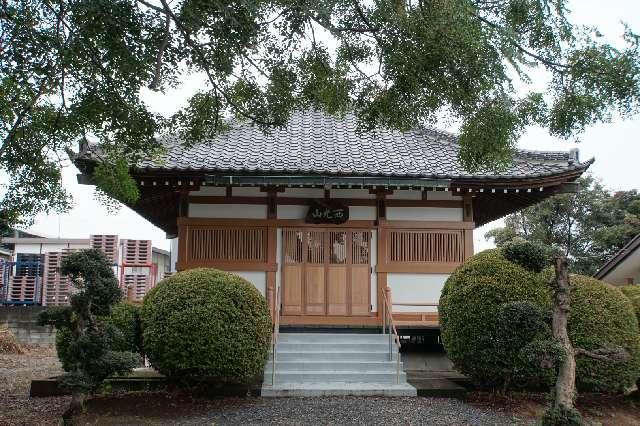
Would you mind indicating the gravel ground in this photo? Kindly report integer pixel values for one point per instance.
(298, 411)
(16, 372)
(354, 411)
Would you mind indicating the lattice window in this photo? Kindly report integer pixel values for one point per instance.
(315, 247)
(292, 241)
(360, 247)
(227, 244)
(418, 246)
(337, 247)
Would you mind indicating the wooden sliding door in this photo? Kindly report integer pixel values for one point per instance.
(326, 272)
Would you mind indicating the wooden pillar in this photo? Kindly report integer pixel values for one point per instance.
(272, 247)
(381, 251)
(467, 216)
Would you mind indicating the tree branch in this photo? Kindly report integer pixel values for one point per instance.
(155, 84)
(610, 354)
(203, 60)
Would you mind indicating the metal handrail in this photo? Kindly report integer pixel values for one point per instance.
(388, 326)
(274, 336)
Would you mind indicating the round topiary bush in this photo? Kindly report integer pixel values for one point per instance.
(601, 316)
(206, 324)
(633, 293)
(472, 310)
(126, 318)
(532, 256)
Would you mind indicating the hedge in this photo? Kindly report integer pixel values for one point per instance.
(492, 333)
(633, 293)
(601, 316)
(205, 324)
(473, 329)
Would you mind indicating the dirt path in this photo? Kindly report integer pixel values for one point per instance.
(16, 373)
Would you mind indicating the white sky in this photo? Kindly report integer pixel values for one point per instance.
(615, 146)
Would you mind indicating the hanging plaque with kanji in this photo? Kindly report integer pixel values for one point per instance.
(327, 211)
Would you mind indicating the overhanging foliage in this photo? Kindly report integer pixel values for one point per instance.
(71, 70)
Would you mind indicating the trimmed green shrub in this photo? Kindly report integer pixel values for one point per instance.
(480, 341)
(601, 316)
(561, 417)
(121, 328)
(633, 293)
(126, 318)
(530, 255)
(205, 324)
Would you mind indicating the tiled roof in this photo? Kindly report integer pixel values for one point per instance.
(316, 143)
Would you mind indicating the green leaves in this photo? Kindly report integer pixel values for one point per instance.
(489, 136)
(204, 324)
(75, 70)
(91, 345)
(589, 226)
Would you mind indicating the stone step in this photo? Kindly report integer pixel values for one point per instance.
(344, 355)
(306, 389)
(332, 338)
(319, 364)
(341, 365)
(380, 377)
(334, 347)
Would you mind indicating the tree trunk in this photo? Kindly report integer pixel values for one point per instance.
(75, 406)
(566, 382)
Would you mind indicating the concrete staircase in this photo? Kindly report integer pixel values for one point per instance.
(318, 364)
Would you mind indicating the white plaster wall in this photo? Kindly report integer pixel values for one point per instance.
(424, 213)
(46, 248)
(362, 213)
(218, 191)
(173, 253)
(415, 288)
(292, 212)
(443, 195)
(228, 211)
(351, 193)
(257, 278)
(405, 194)
(303, 193)
(28, 248)
(247, 191)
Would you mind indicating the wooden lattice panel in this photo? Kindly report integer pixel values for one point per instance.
(135, 286)
(56, 289)
(227, 244)
(424, 246)
(23, 288)
(136, 252)
(108, 244)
